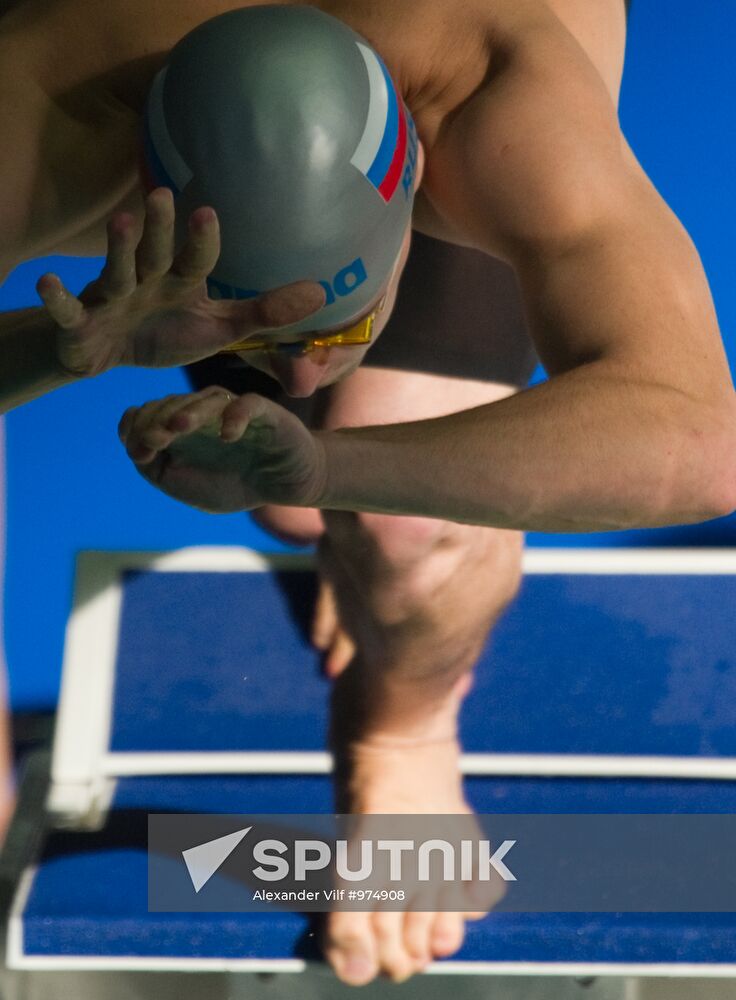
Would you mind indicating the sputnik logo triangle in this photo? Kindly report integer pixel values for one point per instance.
(203, 861)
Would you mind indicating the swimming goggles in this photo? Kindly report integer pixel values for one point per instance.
(360, 333)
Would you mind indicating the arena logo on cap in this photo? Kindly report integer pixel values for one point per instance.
(381, 153)
(345, 282)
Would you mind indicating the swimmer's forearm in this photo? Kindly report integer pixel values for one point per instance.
(28, 364)
(584, 452)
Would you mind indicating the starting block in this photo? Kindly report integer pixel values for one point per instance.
(189, 685)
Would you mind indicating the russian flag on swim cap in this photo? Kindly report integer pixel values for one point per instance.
(382, 150)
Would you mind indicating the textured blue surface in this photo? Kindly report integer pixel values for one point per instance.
(90, 894)
(217, 661)
(611, 664)
(579, 664)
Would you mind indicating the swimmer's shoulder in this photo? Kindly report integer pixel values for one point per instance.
(500, 37)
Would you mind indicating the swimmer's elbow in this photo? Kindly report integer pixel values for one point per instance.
(719, 493)
(703, 481)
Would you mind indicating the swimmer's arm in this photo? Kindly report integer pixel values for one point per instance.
(29, 367)
(584, 452)
(637, 424)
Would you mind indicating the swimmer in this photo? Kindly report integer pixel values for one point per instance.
(421, 464)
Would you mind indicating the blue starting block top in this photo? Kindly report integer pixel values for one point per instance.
(604, 689)
(586, 662)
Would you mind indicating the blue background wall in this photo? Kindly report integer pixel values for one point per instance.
(70, 486)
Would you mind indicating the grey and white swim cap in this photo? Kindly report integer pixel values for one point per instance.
(288, 124)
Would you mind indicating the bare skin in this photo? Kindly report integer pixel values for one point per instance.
(515, 104)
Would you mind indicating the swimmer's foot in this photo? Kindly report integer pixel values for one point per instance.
(387, 774)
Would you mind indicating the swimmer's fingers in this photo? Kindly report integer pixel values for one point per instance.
(199, 254)
(133, 259)
(289, 304)
(217, 410)
(151, 420)
(200, 410)
(241, 413)
(155, 251)
(280, 307)
(118, 277)
(147, 430)
(64, 308)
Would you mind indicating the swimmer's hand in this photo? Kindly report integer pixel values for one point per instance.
(150, 307)
(223, 453)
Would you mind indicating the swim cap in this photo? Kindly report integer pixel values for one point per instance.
(288, 124)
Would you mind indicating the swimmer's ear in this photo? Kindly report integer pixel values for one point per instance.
(420, 166)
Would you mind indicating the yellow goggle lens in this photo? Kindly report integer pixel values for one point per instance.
(361, 333)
